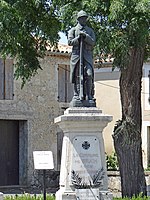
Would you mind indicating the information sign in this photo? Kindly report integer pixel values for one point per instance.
(43, 160)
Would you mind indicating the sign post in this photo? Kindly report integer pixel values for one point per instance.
(43, 160)
(44, 184)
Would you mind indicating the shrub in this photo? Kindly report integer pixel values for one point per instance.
(112, 162)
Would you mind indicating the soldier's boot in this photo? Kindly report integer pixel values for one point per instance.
(76, 91)
(89, 86)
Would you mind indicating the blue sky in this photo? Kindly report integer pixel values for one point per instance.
(63, 38)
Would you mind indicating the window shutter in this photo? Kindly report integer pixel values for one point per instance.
(69, 86)
(9, 79)
(1, 79)
(65, 88)
(61, 84)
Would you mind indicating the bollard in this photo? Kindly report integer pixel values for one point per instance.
(1, 196)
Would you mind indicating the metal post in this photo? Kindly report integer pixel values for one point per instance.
(44, 184)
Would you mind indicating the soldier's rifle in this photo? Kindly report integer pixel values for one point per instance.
(81, 69)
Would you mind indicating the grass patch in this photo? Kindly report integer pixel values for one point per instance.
(52, 197)
(29, 197)
(133, 198)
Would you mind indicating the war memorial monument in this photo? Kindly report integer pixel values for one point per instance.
(83, 174)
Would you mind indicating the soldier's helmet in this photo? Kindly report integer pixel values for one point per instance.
(82, 14)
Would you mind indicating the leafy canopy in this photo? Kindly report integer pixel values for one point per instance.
(26, 28)
(119, 24)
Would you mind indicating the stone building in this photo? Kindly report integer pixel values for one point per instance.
(108, 99)
(27, 115)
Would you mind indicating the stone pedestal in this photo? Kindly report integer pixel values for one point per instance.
(83, 165)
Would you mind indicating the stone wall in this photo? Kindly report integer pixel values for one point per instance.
(35, 107)
(114, 183)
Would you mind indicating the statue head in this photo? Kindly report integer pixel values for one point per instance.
(82, 13)
(82, 17)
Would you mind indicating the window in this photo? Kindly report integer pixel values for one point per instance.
(65, 88)
(149, 86)
(146, 86)
(6, 79)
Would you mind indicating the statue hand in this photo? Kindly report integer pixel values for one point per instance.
(82, 34)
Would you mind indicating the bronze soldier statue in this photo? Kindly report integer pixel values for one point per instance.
(82, 38)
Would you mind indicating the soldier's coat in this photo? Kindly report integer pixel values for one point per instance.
(88, 45)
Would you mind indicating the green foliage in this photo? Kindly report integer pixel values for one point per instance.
(28, 197)
(140, 197)
(148, 168)
(26, 29)
(130, 22)
(112, 162)
(119, 24)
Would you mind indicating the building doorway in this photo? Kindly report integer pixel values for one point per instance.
(9, 152)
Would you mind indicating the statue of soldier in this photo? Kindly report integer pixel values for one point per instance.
(81, 32)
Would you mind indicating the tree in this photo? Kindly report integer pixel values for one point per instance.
(122, 30)
(27, 27)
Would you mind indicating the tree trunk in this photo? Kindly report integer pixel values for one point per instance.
(127, 132)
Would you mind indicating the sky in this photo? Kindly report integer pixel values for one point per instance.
(63, 38)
